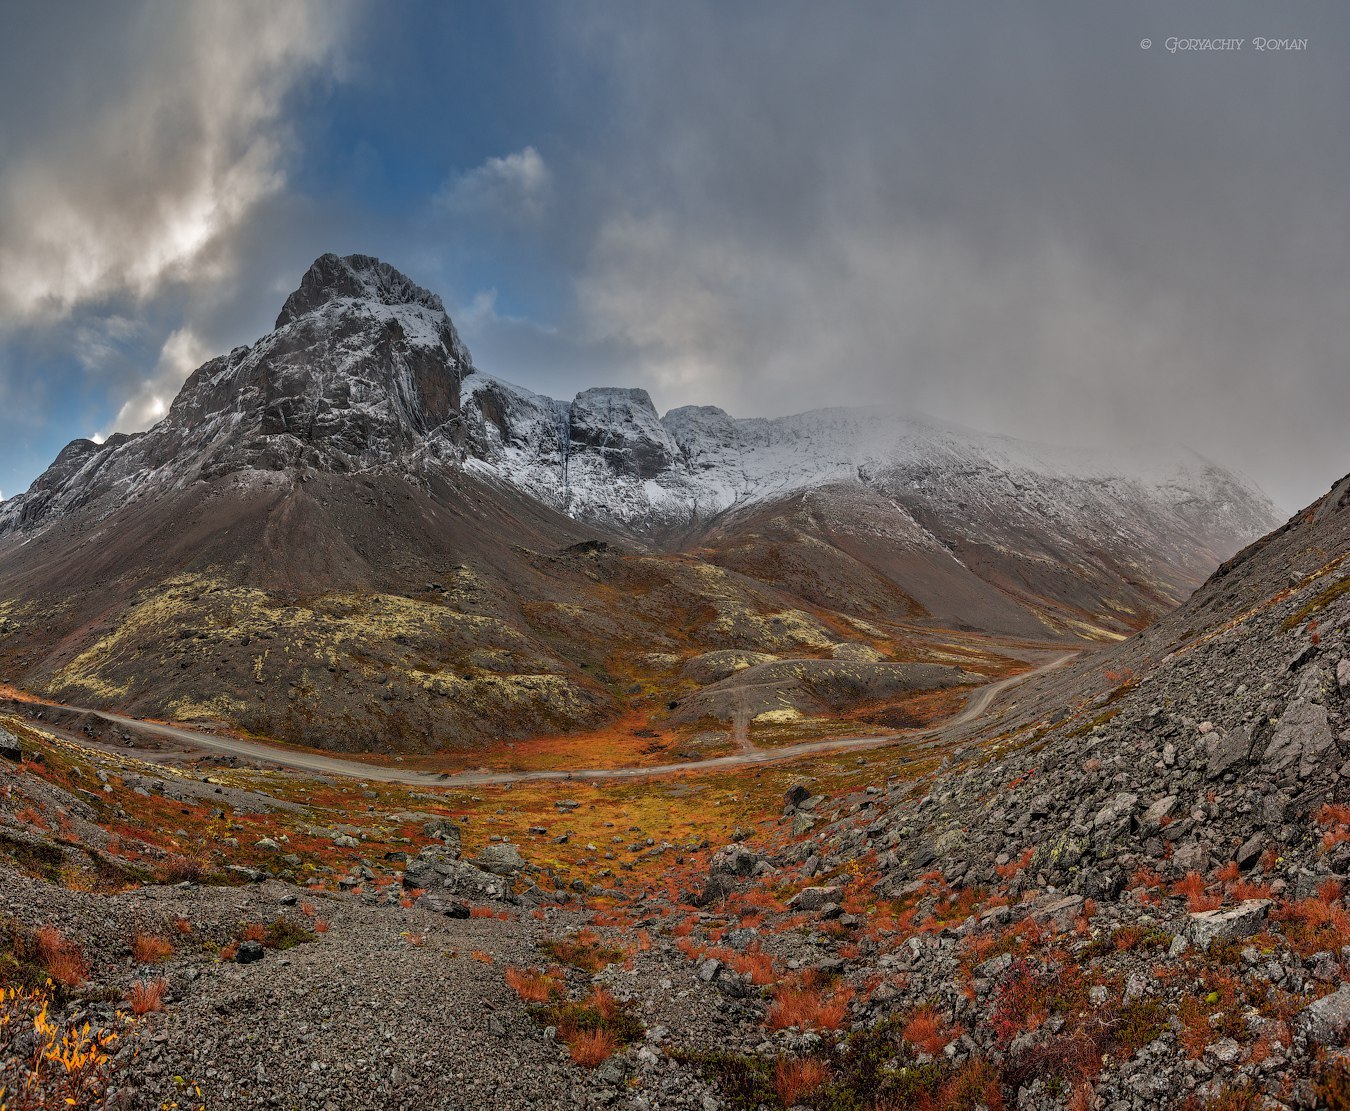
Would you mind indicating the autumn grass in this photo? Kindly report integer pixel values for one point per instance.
(150, 948)
(61, 958)
(807, 1007)
(796, 1079)
(532, 985)
(144, 996)
(583, 949)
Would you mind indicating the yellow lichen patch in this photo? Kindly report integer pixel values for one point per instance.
(865, 627)
(334, 629)
(220, 708)
(785, 716)
(493, 693)
(774, 631)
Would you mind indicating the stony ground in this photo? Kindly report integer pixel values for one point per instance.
(1130, 892)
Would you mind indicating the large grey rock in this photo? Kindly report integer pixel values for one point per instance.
(249, 952)
(733, 860)
(1250, 851)
(1226, 748)
(9, 746)
(1115, 815)
(1327, 1020)
(1303, 736)
(1227, 923)
(1062, 909)
(1190, 856)
(1155, 815)
(445, 830)
(437, 871)
(813, 898)
(501, 858)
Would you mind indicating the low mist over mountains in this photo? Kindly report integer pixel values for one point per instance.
(367, 543)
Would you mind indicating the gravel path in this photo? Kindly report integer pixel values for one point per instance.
(331, 765)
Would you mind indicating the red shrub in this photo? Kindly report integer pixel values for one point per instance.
(1013, 867)
(805, 1007)
(926, 1031)
(61, 958)
(798, 1079)
(532, 985)
(591, 1047)
(147, 995)
(151, 949)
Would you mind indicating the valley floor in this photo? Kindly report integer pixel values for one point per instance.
(1105, 890)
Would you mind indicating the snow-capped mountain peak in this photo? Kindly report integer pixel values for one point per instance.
(366, 371)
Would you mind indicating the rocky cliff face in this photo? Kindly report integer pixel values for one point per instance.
(363, 369)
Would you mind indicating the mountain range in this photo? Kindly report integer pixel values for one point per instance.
(348, 535)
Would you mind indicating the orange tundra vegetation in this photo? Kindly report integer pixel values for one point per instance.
(150, 949)
(926, 1031)
(592, 1047)
(145, 996)
(61, 958)
(532, 985)
(798, 1079)
(806, 1006)
(1192, 888)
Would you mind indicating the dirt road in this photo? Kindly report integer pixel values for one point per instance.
(355, 769)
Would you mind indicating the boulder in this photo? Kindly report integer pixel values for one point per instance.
(813, 898)
(794, 797)
(248, 952)
(501, 858)
(1226, 748)
(1190, 856)
(1155, 815)
(1227, 923)
(1303, 736)
(438, 904)
(440, 873)
(9, 746)
(1250, 851)
(1116, 814)
(1327, 1020)
(443, 829)
(1062, 910)
(733, 860)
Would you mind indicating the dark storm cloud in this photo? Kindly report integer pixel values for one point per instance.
(1010, 215)
(139, 138)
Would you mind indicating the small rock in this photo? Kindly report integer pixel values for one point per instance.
(249, 952)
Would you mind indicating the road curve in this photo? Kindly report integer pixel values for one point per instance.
(353, 769)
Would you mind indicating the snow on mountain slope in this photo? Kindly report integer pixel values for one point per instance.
(364, 371)
(608, 457)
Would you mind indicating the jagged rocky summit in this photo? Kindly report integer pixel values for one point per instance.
(365, 369)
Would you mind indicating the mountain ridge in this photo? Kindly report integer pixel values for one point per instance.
(345, 534)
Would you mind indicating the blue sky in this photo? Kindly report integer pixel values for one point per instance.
(1016, 218)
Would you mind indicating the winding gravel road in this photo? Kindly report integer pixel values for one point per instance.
(355, 769)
